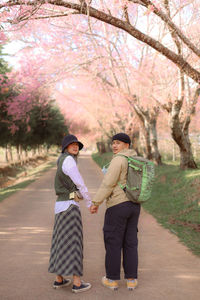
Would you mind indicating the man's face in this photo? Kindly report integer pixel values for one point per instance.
(73, 148)
(118, 146)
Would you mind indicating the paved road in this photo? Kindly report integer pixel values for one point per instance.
(167, 270)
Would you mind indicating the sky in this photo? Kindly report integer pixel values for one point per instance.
(11, 49)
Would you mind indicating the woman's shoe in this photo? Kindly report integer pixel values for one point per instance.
(82, 288)
(63, 283)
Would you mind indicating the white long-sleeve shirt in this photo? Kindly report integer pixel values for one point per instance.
(69, 167)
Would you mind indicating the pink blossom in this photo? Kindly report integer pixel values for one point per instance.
(13, 128)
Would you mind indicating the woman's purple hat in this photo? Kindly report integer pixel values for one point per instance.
(69, 139)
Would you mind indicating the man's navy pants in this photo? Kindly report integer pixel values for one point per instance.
(120, 237)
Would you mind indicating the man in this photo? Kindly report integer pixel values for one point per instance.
(121, 218)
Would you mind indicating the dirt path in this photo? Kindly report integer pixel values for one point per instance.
(167, 270)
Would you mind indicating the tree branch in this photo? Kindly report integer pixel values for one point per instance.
(170, 24)
(182, 64)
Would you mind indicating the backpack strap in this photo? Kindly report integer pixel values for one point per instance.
(132, 166)
(129, 162)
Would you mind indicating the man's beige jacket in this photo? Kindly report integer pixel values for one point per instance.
(116, 173)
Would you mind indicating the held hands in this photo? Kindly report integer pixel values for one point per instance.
(94, 209)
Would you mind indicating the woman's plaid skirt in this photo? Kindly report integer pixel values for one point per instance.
(66, 256)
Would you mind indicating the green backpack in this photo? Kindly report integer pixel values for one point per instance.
(140, 179)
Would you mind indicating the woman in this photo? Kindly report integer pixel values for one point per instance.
(66, 256)
(121, 218)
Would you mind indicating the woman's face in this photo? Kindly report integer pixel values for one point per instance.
(73, 148)
(118, 146)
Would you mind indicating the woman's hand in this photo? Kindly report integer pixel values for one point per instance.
(94, 209)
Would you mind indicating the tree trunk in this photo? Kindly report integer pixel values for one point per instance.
(18, 152)
(174, 152)
(181, 137)
(33, 152)
(26, 155)
(10, 152)
(39, 150)
(6, 154)
(156, 153)
(101, 147)
(21, 155)
(186, 157)
(135, 136)
(108, 147)
(143, 117)
(147, 132)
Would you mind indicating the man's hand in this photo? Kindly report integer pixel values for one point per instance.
(94, 209)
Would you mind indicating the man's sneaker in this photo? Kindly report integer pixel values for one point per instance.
(109, 283)
(82, 288)
(58, 285)
(131, 284)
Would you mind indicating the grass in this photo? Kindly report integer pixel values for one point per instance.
(175, 202)
(32, 175)
(102, 159)
(6, 192)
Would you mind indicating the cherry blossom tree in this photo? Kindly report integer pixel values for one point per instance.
(178, 26)
(81, 105)
(29, 117)
(120, 14)
(187, 99)
(5, 93)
